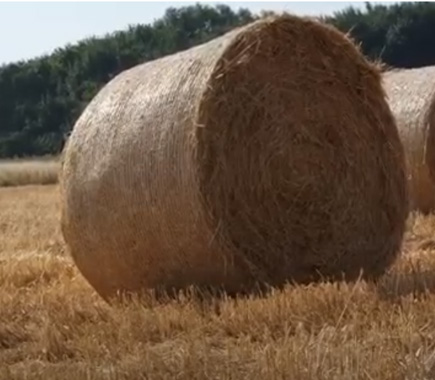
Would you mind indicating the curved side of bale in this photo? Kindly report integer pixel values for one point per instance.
(133, 214)
(268, 154)
(411, 94)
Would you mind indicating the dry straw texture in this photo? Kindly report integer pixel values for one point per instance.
(266, 155)
(33, 171)
(411, 95)
(54, 326)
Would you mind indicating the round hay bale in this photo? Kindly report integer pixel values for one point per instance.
(266, 155)
(411, 95)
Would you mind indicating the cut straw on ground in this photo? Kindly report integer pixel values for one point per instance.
(53, 325)
(28, 172)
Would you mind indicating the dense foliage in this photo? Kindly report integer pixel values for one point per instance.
(399, 35)
(40, 99)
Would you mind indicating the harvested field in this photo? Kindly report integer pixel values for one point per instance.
(29, 172)
(54, 326)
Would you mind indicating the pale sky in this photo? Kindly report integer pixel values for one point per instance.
(31, 29)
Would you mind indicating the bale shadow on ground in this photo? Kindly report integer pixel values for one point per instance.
(417, 283)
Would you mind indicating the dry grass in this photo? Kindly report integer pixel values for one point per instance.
(28, 172)
(54, 326)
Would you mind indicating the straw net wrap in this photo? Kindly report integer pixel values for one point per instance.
(266, 155)
(411, 95)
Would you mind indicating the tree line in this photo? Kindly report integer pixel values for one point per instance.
(41, 98)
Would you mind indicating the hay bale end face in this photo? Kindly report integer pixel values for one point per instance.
(266, 155)
(411, 94)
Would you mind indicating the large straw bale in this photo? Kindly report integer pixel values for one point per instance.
(266, 155)
(411, 94)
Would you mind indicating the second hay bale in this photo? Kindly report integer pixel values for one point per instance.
(268, 154)
(411, 94)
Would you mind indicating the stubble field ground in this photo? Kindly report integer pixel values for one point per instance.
(37, 171)
(54, 326)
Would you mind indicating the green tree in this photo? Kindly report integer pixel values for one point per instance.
(41, 98)
(399, 35)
